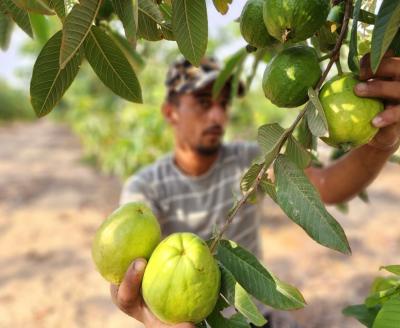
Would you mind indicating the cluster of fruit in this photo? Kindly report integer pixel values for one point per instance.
(181, 282)
(295, 69)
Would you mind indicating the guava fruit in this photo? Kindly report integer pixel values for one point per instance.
(252, 25)
(181, 282)
(349, 116)
(324, 39)
(130, 232)
(289, 75)
(294, 20)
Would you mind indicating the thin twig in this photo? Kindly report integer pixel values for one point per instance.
(335, 55)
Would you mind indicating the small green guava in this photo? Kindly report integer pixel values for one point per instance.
(294, 20)
(289, 74)
(252, 25)
(182, 280)
(130, 232)
(349, 116)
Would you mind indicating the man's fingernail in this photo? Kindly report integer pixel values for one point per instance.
(139, 265)
(361, 87)
(378, 122)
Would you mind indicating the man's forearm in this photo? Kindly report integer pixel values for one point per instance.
(349, 175)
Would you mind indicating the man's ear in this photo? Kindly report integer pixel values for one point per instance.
(169, 113)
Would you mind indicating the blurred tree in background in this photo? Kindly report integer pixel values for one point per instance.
(115, 133)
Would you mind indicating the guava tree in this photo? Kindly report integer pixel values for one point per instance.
(319, 33)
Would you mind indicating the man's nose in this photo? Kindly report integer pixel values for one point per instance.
(217, 113)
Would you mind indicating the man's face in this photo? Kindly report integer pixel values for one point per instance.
(200, 121)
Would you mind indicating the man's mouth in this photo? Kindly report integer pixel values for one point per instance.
(216, 131)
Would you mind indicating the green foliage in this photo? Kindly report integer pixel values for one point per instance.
(49, 82)
(256, 279)
(381, 308)
(190, 27)
(300, 201)
(14, 104)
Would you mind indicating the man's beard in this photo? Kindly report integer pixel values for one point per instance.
(208, 151)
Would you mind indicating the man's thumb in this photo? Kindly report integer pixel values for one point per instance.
(129, 290)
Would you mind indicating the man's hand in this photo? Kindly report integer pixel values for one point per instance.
(385, 84)
(128, 298)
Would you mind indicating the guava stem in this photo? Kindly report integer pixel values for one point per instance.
(335, 54)
(339, 67)
(325, 57)
(285, 35)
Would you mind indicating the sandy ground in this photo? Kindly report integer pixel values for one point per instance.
(51, 203)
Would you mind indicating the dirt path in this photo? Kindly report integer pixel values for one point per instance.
(51, 204)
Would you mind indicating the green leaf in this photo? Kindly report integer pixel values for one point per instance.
(301, 202)
(380, 297)
(386, 26)
(190, 28)
(268, 187)
(363, 314)
(363, 195)
(270, 139)
(343, 207)
(222, 5)
(239, 298)
(255, 278)
(58, 6)
(227, 71)
(36, 6)
(315, 121)
(133, 57)
(389, 315)
(392, 268)
(49, 82)
(18, 15)
(76, 28)
(304, 135)
(353, 61)
(149, 18)
(111, 66)
(367, 17)
(217, 320)
(395, 46)
(40, 27)
(297, 154)
(127, 11)
(166, 26)
(250, 176)
(6, 27)
(383, 283)
(313, 95)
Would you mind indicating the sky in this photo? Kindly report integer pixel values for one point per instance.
(12, 60)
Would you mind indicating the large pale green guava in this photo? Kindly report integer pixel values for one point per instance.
(182, 280)
(349, 116)
(252, 25)
(130, 232)
(289, 74)
(294, 20)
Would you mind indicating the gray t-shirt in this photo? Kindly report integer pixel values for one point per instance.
(198, 204)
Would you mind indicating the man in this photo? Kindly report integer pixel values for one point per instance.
(192, 189)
